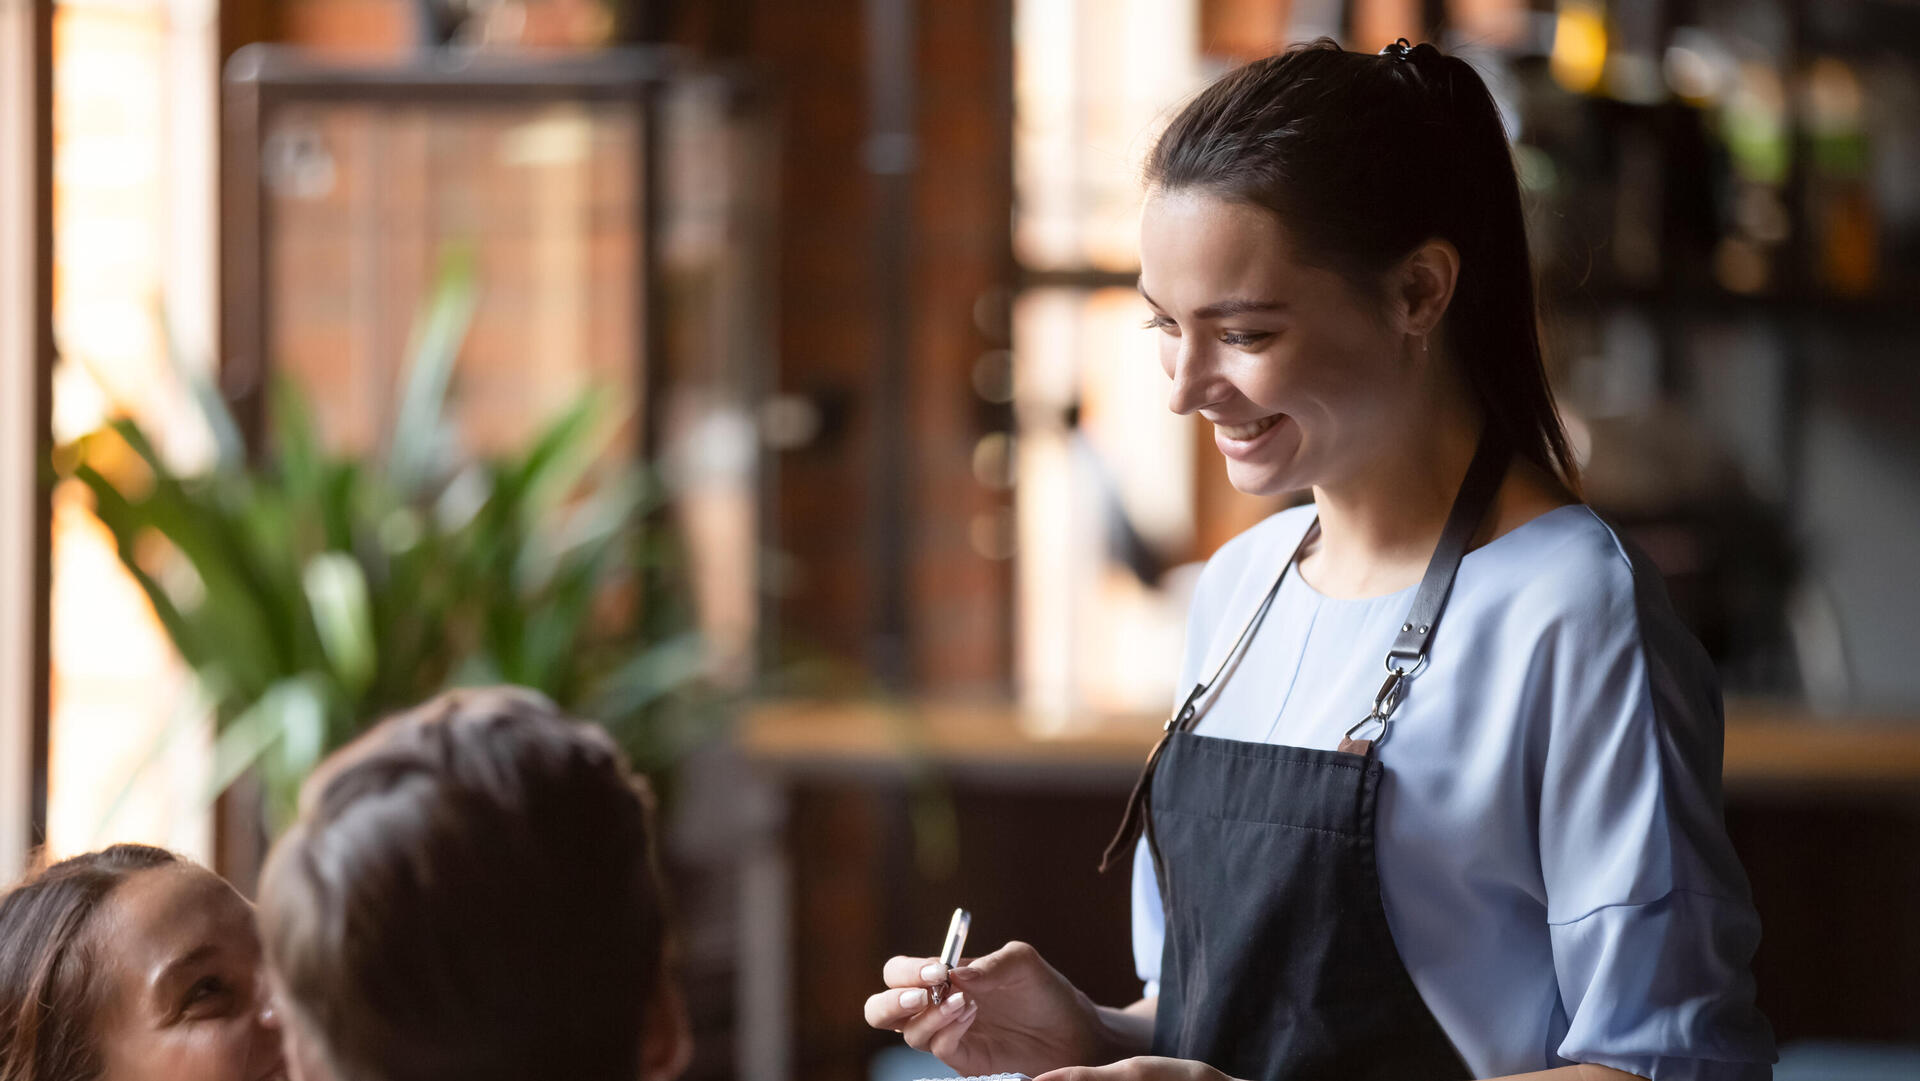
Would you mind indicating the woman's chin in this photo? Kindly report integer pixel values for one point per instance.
(1263, 487)
(1268, 465)
(1263, 479)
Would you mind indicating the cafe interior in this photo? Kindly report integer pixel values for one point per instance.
(766, 382)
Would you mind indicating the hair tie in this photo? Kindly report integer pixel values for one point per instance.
(1416, 55)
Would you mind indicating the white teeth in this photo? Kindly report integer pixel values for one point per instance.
(1243, 432)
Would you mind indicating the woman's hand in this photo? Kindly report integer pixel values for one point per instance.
(1144, 1068)
(1008, 1011)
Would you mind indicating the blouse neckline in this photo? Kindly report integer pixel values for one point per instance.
(1523, 527)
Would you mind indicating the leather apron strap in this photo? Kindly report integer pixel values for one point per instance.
(1408, 652)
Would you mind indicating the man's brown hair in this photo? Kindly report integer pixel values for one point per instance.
(470, 892)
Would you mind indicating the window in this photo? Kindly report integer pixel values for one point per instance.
(1116, 497)
(134, 122)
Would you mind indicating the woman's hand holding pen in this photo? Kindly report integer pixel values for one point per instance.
(1006, 1011)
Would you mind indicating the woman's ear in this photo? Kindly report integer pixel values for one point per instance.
(1426, 280)
(666, 1040)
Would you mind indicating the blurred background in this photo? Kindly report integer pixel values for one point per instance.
(765, 381)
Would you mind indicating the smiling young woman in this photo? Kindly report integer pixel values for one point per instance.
(1514, 864)
(131, 964)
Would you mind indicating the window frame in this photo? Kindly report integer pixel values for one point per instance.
(26, 365)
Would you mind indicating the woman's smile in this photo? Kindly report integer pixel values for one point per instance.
(1243, 441)
(1247, 430)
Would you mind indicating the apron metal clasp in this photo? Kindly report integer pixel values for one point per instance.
(1384, 704)
(1388, 699)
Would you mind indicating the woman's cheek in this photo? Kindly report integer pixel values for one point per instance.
(1263, 378)
(216, 1051)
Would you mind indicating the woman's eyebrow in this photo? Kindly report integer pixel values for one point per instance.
(1220, 309)
(177, 967)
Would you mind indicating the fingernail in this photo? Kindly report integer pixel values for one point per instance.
(934, 973)
(914, 999)
(956, 1002)
(963, 973)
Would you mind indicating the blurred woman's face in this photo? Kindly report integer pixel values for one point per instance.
(1297, 369)
(184, 996)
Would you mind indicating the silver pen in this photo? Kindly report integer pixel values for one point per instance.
(950, 952)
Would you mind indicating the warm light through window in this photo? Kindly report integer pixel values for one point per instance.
(133, 153)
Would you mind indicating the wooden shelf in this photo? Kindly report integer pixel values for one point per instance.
(970, 737)
(1779, 742)
(1766, 743)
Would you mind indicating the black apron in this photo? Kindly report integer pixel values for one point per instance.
(1279, 964)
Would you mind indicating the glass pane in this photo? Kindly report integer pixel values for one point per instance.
(1105, 503)
(1093, 82)
(366, 202)
(133, 155)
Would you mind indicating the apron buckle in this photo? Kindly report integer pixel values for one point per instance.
(1391, 691)
(1355, 739)
(1384, 704)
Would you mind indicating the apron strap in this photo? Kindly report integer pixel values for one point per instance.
(1409, 649)
(1482, 482)
(1477, 490)
(1136, 819)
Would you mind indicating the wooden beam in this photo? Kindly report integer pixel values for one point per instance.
(26, 364)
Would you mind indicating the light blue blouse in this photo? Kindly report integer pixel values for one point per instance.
(1553, 860)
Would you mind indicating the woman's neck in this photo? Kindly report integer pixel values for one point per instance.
(1379, 524)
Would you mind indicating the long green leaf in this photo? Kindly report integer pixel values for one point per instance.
(214, 521)
(337, 598)
(242, 742)
(233, 619)
(420, 424)
(125, 524)
(296, 450)
(563, 452)
(648, 677)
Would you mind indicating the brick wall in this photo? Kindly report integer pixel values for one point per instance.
(959, 614)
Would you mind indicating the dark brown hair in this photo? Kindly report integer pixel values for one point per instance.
(470, 892)
(1364, 158)
(49, 990)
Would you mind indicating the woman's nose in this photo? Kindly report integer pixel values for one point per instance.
(267, 1009)
(1195, 382)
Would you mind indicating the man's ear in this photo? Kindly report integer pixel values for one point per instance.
(666, 1047)
(1426, 278)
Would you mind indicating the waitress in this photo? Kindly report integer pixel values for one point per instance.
(1441, 795)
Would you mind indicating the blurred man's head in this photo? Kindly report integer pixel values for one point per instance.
(470, 893)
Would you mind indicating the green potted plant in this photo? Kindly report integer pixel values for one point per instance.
(312, 592)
